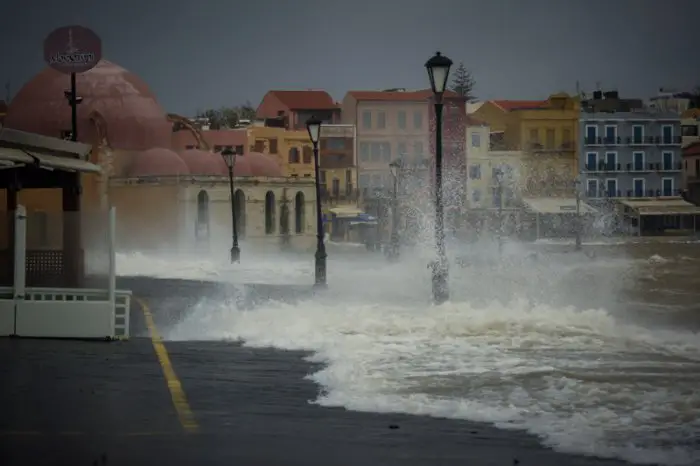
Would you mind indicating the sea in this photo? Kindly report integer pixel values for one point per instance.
(595, 351)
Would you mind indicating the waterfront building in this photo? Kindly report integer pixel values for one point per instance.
(691, 172)
(628, 150)
(291, 109)
(168, 195)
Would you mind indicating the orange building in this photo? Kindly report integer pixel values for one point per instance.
(167, 196)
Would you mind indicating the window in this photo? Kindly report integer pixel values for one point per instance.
(239, 149)
(476, 195)
(475, 172)
(534, 136)
(611, 134)
(260, 146)
(401, 119)
(322, 175)
(638, 161)
(550, 138)
(637, 134)
(610, 161)
(376, 151)
(273, 146)
(402, 151)
(591, 134)
(418, 120)
(386, 151)
(611, 187)
(566, 137)
(592, 161)
(308, 154)
(381, 120)
(689, 130)
(667, 186)
(591, 188)
(335, 143)
(348, 182)
(363, 181)
(367, 119)
(667, 134)
(418, 148)
(476, 140)
(335, 187)
(364, 151)
(638, 186)
(293, 155)
(668, 161)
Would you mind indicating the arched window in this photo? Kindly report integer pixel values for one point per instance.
(293, 155)
(299, 212)
(239, 207)
(202, 224)
(269, 213)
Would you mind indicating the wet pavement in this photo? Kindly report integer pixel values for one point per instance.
(146, 401)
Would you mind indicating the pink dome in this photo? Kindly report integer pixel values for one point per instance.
(263, 165)
(201, 162)
(134, 119)
(156, 162)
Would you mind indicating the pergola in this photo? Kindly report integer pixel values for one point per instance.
(32, 161)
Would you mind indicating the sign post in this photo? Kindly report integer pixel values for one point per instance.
(71, 50)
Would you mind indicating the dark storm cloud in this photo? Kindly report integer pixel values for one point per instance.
(202, 54)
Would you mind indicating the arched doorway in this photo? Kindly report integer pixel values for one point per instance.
(270, 213)
(299, 212)
(202, 223)
(239, 206)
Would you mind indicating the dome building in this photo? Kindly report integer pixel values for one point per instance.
(166, 197)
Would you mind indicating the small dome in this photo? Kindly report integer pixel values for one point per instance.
(264, 165)
(134, 119)
(157, 162)
(202, 162)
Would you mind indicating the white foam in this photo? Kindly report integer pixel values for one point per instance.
(582, 380)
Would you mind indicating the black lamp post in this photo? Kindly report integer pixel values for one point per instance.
(396, 168)
(439, 71)
(230, 159)
(313, 126)
(577, 187)
(499, 181)
(73, 101)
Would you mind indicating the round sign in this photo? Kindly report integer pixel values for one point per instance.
(72, 49)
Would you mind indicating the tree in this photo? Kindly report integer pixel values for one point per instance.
(463, 83)
(227, 117)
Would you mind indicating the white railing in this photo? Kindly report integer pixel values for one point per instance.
(62, 312)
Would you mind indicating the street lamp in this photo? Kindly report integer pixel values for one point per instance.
(499, 181)
(313, 126)
(230, 159)
(439, 71)
(577, 186)
(396, 170)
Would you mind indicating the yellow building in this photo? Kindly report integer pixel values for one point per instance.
(291, 148)
(546, 131)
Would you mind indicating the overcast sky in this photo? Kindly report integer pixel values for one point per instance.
(209, 53)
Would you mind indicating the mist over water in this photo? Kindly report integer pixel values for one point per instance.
(595, 353)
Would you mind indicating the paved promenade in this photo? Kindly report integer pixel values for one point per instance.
(146, 401)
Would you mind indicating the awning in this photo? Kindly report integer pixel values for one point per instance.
(556, 205)
(12, 156)
(661, 206)
(345, 212)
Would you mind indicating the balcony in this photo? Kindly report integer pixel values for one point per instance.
(604, 167)
(630, 193)
(333, 198)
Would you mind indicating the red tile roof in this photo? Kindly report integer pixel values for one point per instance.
(471, 121)
(510, 105)
(305, 100)
(407, 96)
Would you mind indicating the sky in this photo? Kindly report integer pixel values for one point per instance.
(211, 53)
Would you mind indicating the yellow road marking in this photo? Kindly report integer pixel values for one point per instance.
(184, 413)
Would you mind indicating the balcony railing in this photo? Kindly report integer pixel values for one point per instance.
(605, 167)
(633, 141)
(631, 193)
